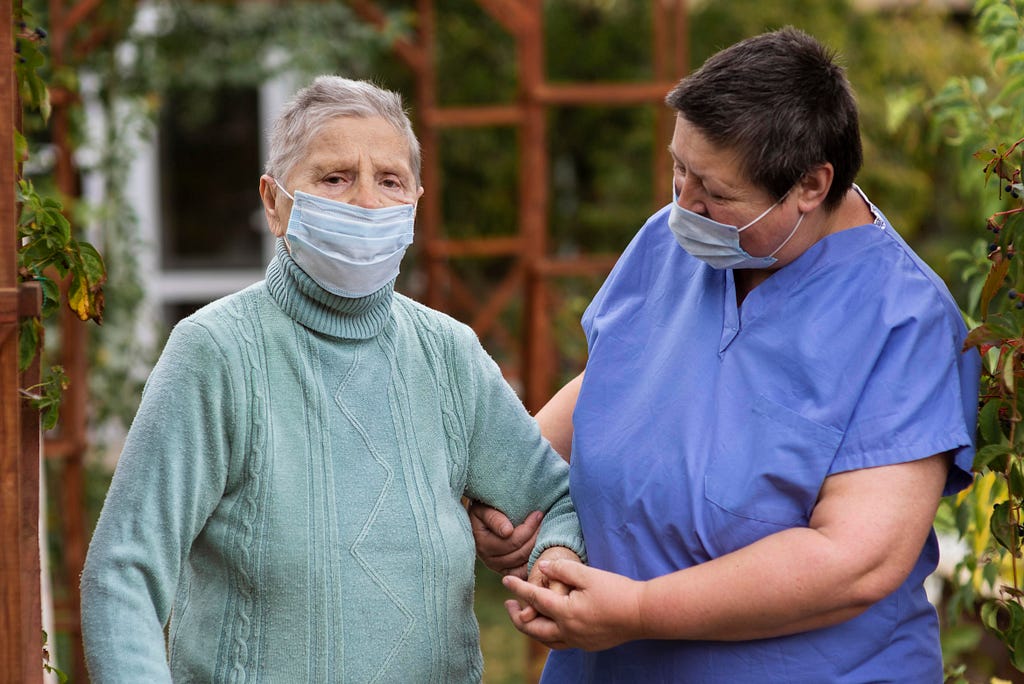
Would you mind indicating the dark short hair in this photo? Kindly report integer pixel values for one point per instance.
(781, 101)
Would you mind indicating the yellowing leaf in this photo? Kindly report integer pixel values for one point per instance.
(1008, 377)
(993, 282)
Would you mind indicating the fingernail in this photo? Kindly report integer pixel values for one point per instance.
(544, 564)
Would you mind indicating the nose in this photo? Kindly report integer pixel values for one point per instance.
(689, 195)
(365, 193)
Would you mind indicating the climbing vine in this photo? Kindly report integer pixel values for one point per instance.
(48, 251)
(984, 117)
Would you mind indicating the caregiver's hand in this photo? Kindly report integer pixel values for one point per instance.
(600, 610)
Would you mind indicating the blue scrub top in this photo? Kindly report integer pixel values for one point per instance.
(702, 427)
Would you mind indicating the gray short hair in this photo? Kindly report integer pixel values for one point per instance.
(325, 99)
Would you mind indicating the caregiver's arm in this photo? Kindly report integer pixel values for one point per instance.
(555, 418)
(501, 546)
(862, 541)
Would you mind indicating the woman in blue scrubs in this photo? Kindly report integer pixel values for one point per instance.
(775, 400)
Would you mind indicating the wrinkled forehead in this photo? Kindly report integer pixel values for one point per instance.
(347, 140)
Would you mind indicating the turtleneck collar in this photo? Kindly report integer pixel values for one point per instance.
(299, 296)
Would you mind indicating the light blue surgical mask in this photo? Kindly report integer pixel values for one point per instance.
(718, 244)
(348, 250)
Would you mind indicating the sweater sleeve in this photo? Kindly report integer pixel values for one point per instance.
(511, 466)
(170, 476)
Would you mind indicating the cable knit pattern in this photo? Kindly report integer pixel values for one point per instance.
(289, 495)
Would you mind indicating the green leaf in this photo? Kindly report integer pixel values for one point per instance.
(1003, 326)
(1008, 372)
(992, 456)
(993, 616)
(988, 422)
(990, 571)
(20, 146)
(1003, 526)
(92, 264)
(963, 519)
(1016, 479)
(51, 295)
(28, 341)
(1017, 655)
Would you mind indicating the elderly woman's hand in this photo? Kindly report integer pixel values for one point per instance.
(502, 547)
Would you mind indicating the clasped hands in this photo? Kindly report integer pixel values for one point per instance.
(563, 603)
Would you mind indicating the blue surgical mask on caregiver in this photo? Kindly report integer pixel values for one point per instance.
(718, 244)
(348, 250)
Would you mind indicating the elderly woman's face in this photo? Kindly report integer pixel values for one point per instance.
(708, 181)
(360, 161)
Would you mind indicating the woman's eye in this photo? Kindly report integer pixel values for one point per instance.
(391, 184)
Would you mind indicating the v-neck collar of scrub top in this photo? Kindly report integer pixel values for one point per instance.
(736, 316)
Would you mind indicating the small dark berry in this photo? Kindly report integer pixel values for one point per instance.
(1019, 305)
(1014, 194)
(992, 246)
(993, 150)
(996, 230)
(41, 32)
(1009, 188)
(1012, 294)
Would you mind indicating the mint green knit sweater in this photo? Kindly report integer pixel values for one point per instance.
(289, 495)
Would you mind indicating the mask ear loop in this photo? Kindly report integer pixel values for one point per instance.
(287, 244)
(788, 237)
(283, 190)
(763, 213)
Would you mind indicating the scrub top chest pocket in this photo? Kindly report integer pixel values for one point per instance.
(766, 467)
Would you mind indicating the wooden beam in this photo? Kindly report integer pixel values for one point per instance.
(470, 247)
(534, 178)
(495, 115)
(584, 265)
(602, 93)
(511, 14)
(18, 642)
(487, 316)
(30, 303)
(78, 13)
(411, 54)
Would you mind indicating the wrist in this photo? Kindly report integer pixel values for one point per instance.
(640, 603)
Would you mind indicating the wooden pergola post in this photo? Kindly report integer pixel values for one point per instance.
(20, 608)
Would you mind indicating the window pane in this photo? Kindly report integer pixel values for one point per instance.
(209, 171)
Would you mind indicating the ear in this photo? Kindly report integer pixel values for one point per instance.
(419, 193)
(812, 188)
(276, 206)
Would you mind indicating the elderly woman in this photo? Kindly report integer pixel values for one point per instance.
(290, 493)
(775, 400)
